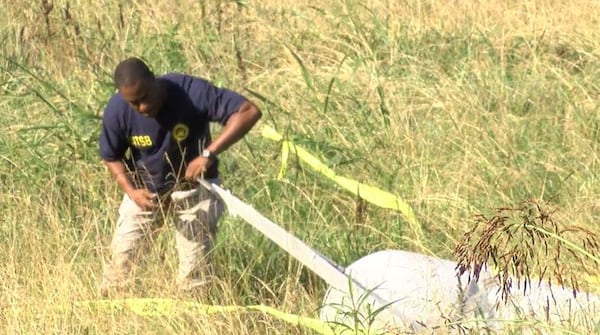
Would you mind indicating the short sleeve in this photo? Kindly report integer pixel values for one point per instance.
(217, 103)
(113, 139)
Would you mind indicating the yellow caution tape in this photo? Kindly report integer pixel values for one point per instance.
(371, 194)
(151, 307)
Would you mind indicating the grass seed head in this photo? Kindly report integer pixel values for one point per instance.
(523, 241)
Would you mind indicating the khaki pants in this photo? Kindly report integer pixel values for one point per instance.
(196, 213)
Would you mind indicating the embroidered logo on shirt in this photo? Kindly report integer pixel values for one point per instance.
(141, 141)
(180, 132)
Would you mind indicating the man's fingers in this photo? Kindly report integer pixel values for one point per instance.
(197, 168)
(147, 200)
(194, 171)
(152, 200)
(189, 172)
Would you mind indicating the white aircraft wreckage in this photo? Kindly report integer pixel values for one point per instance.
(406, 292)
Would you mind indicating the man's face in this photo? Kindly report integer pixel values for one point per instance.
(144, 96)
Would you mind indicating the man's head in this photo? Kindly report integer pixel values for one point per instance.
(138, 86)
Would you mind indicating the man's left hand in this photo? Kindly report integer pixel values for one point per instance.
(197, 168)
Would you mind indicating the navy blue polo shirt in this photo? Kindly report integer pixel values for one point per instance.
(162, 146)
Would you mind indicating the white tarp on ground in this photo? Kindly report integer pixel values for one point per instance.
(428, 295)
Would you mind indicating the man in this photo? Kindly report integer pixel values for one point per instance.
(156, 142)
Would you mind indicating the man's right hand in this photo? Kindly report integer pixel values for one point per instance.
(145, 199)
(142, 197)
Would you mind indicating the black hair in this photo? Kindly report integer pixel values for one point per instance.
(131, 70)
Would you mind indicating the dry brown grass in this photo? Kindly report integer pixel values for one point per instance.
(456, 106)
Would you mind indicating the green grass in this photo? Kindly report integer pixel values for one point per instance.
(456, 113)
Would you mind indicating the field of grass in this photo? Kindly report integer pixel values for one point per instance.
(458, 107)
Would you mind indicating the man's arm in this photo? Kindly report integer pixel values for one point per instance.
(119, 172)
(236, 127)
(141, 197)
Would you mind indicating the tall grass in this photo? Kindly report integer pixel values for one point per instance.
(459, 107)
